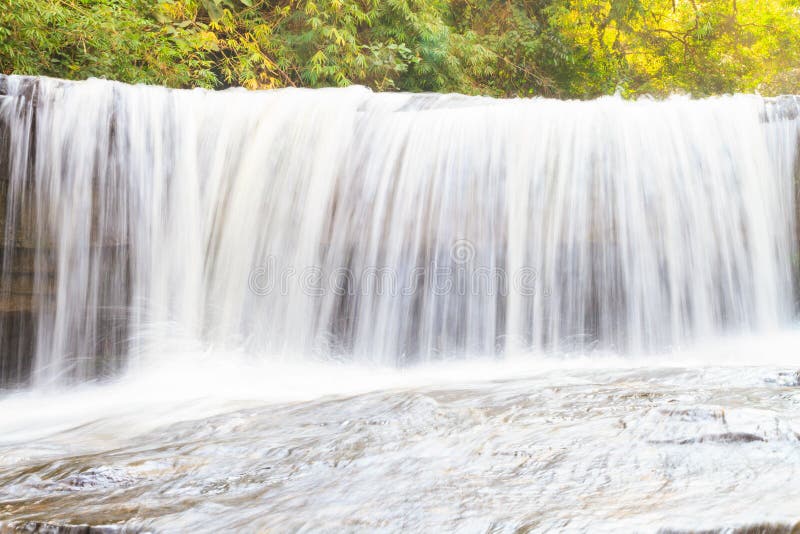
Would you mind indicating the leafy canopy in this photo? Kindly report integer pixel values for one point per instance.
(566, 48)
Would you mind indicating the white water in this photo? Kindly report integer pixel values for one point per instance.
(393, 228)
(280, 283)
(605, 445)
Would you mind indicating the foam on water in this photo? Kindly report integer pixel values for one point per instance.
(192, 385)
(601, 443)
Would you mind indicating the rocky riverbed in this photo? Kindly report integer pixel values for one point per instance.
(618, 448)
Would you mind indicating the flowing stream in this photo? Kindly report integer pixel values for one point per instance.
(341, 310)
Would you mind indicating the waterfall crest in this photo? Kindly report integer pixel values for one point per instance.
(383, 228)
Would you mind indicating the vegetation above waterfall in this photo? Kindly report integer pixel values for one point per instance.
(565, 48)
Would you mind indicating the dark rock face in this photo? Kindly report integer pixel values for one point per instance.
(17, 309)
(28, 260)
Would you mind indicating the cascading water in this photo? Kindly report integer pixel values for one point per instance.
(288, 278)
(389, 228)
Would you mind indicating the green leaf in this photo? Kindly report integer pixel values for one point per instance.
(213, 9)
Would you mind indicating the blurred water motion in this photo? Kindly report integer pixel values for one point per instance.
(636, 449)
(387, 229)
(335, 310)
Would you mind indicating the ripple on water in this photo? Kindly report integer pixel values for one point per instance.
(648, 449)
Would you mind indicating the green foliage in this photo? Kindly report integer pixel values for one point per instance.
(697, 46)
(118, 39)
(566, 48)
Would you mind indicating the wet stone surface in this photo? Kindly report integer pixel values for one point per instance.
(676, 450)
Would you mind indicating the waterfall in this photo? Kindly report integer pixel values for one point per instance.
(383, 228)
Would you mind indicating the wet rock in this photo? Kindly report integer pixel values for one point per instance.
(695, 414)
(713, 425)
(101, 477)
(728, 437)
(785, 379)
(791, 379)
(758, 528)
(36, 527)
